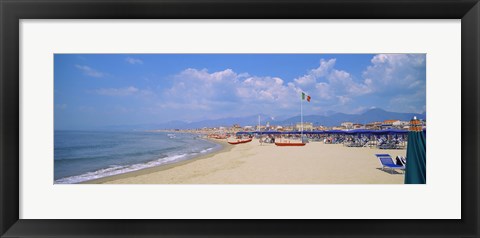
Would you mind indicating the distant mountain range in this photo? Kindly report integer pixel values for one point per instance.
(330, 119)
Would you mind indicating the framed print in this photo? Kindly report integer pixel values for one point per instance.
(238, 118)
(255, 131)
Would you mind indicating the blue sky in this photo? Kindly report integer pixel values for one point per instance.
(95, 90)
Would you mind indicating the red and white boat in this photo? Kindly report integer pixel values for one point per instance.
(240, 141)
(289, 144)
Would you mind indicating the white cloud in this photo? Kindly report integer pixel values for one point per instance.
(89, 71)
(209, 78)
(227, 90)
(323, 90)
(131, 60)
(328, 83)
(411, 102)
(396, 72)
(310, 78)
(343, 99)
(359, 110)
(118, 91)
(192, 84)
(305, 80)
(343, 82)
(263, 89)
(400, 78)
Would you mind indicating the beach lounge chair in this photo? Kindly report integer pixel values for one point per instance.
(387, 162)
(398, 161)
(403, 160)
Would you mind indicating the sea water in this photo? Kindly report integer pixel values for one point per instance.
(85, 155)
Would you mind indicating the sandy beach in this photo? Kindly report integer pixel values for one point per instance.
(252, 163)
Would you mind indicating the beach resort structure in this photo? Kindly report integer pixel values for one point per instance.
(347, 125)
(307, 126)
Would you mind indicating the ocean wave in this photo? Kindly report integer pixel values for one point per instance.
(206, 150)
(118, 169)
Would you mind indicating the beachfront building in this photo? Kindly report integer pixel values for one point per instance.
(261, 128)
(248, 128)
(391, 122)
(235, 128)
(321, 128)
(347, 125)
(388, 124)
(358, 126)
(307, 126)
(422, 122)
(400, 124)
(374, 125)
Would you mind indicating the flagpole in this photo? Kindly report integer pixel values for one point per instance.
(258, 123)
(258, 129)
(301, 117)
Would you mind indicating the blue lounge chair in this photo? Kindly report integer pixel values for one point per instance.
(387, 162)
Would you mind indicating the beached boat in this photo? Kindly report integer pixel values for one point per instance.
(289, 144)
(240, 141)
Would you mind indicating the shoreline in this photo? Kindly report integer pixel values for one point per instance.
(267, 164)
(225, 147)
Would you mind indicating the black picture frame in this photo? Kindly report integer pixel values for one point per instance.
(12, 11)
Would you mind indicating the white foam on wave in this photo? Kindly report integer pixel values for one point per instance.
(206, 150)
(117, 169)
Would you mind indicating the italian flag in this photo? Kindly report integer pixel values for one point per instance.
(307, 96)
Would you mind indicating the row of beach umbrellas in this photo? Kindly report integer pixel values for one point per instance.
(341, 132)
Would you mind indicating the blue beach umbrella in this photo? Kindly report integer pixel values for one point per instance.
(415, 171)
